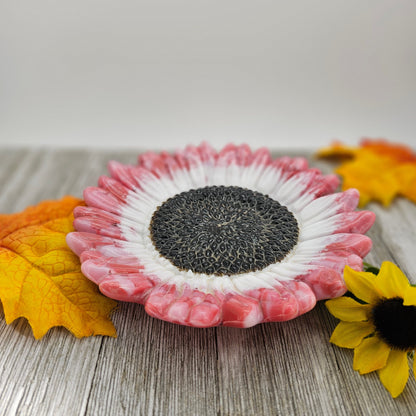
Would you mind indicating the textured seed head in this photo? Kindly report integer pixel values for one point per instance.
(223, 230)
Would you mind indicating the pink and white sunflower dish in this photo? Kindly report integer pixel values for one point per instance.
(205, 238)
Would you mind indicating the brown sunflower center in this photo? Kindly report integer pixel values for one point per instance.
(395, 323)
(223, 230)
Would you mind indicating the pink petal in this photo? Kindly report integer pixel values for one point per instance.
(290, 166)
(354, 243)
(132, 288)
(83, 211)
(79, 242)
(89, 254)
(122, 173)
(189, 307)
(261, 156)
(142, 175)
(278, 304)
(308, 176)
(308, 182)
(153, 162)
(97, 225)
(208, 154)
(325, 184)
(99, 268)
(206, 314)
(171, 164)
(244, 155)
(304, 295)
(180, 309)
(95, 272)
(102, 199)
(159, 301)
(191, 156)
(241, 311)
(103, 252)
(97, 221)
(227, 156)
(182, 160)
(203, 310)
(157, 165)
(113, 251)
(355, 222)
(348, 199)
(338, 260)
(325, 283)
(178, 312)
(114, 187)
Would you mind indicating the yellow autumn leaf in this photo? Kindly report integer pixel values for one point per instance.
(40, 277)
(380, 170)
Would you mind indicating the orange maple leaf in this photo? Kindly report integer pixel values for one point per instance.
(378, 169)
(40, 277)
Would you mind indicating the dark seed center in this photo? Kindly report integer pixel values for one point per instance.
(223, 230)
(395, 323)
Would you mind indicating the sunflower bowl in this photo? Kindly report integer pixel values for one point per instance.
(205, 238)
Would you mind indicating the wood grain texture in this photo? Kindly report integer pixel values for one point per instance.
(155, 367)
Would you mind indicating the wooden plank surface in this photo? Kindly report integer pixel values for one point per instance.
(155, 367)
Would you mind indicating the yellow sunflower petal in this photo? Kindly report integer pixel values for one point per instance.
(348, 309)
(350, 334)
(395, 374)
(361, 284)
(391, 281)
(370, 355)
(410, 296)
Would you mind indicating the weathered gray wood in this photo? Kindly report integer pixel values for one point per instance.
(155, 367)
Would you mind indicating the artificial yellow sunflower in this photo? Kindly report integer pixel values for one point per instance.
(380, 325)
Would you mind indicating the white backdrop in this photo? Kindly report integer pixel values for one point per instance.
(161, 74)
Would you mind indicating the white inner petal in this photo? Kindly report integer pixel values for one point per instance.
(320, 208)
(269, 180)
(140, 205)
